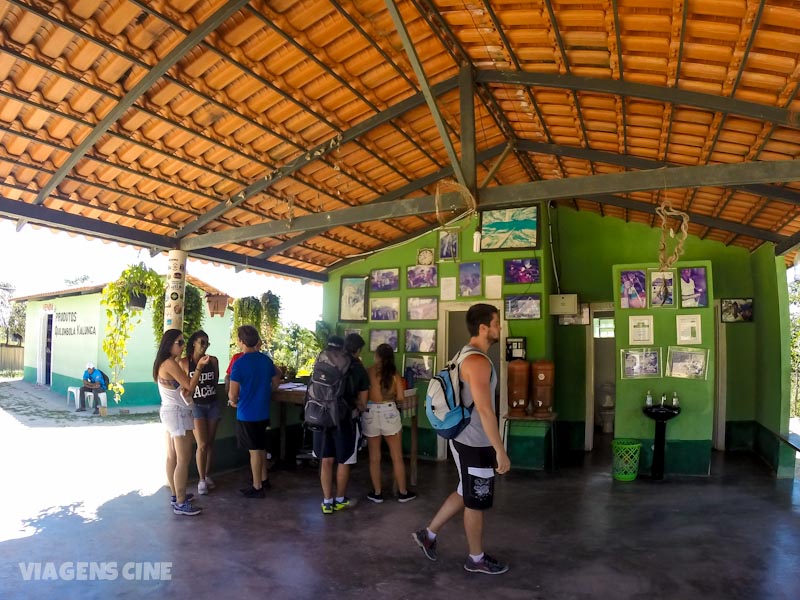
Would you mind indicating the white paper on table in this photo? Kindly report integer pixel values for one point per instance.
(494, 286)
(448, 288)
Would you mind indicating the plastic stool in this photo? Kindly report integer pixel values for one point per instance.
(90, 399)
(76, 392)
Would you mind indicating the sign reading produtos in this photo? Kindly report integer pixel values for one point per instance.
(68, 323)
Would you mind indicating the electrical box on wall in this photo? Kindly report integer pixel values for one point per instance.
(563, 304)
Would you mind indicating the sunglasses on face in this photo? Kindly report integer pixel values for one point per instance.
(180, 342)
(204, 343)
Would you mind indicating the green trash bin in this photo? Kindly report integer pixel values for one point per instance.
(626, 459)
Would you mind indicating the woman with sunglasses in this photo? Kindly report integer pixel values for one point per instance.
(206, 408)
(175, 386)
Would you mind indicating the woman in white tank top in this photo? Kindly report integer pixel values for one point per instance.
(174, 386)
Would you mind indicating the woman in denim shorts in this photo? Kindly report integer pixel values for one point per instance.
(206, 408)
(381, 419)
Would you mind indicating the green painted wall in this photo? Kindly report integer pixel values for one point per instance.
(538, 332)
(696, 395)
(588, 246)
(771, 313)
(79, 327)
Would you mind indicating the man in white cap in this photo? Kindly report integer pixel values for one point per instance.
(94, 382)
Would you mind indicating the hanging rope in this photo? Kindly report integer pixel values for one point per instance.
(666, 211)
(462, 191)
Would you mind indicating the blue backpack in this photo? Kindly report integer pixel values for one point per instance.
(447, 415)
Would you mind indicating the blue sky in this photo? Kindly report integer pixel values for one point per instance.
(38, 260)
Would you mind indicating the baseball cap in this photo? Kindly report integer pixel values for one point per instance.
(90, 365)
(335, 341)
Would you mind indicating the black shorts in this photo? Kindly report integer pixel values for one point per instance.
(475, 474)
(252, 435)
(340, 443)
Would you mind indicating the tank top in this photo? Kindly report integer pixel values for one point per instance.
(206, 390)
(170, 392)
(473, 434)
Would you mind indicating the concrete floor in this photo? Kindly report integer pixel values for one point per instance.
(575, 533)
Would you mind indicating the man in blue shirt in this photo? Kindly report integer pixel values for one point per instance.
(94, 382)
(253, 377)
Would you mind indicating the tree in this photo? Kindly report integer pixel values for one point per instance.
(294, 347)
(6, 291)
(794, 348)
(16, 323)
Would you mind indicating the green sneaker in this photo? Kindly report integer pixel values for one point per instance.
(327, 508)
(341, 505)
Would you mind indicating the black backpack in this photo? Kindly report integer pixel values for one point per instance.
(325, 402)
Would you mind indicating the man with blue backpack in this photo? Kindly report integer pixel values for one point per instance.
(477, 448)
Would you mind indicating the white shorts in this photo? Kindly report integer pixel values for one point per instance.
(381, 419)
(177, 419)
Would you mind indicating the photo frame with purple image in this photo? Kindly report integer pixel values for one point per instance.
(422, 276)
(420, 340)
(418, 367)
(353, 299)
(521, 270)
(469, 279)
(384, 280)
(384, 309)
(383, 336)
(694, 287)
(448, 244)
(633, 289)
(422, 309)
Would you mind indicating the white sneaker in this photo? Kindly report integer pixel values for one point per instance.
(202, 488)
(211, 485)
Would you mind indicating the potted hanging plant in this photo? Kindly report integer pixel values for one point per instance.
(192, 313)
(122, 316)
(217, 304)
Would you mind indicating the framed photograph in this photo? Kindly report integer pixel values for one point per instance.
(384, 309)
(524, 306)
(422, 309)
(640, 363)
(418, 366)
(687, 363)
(353, 299)
(694, 289)
(640, 330)
(688, 327)
(632, 289)
(420, 340)
(662, 288)
(349, 331)
(384, 280)
(469, 279)
(736, 310)
(422, 276)
(508, 228)
(521, 270)
(383, 336)
(448, 244)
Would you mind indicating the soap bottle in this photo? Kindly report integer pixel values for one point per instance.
(648, 401)
(675, 402)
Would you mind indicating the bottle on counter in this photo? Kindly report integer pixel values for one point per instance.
(663, 398)
(648, 400)
(675, 399)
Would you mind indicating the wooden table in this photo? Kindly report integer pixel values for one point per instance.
(287, 393)
(295, 393)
